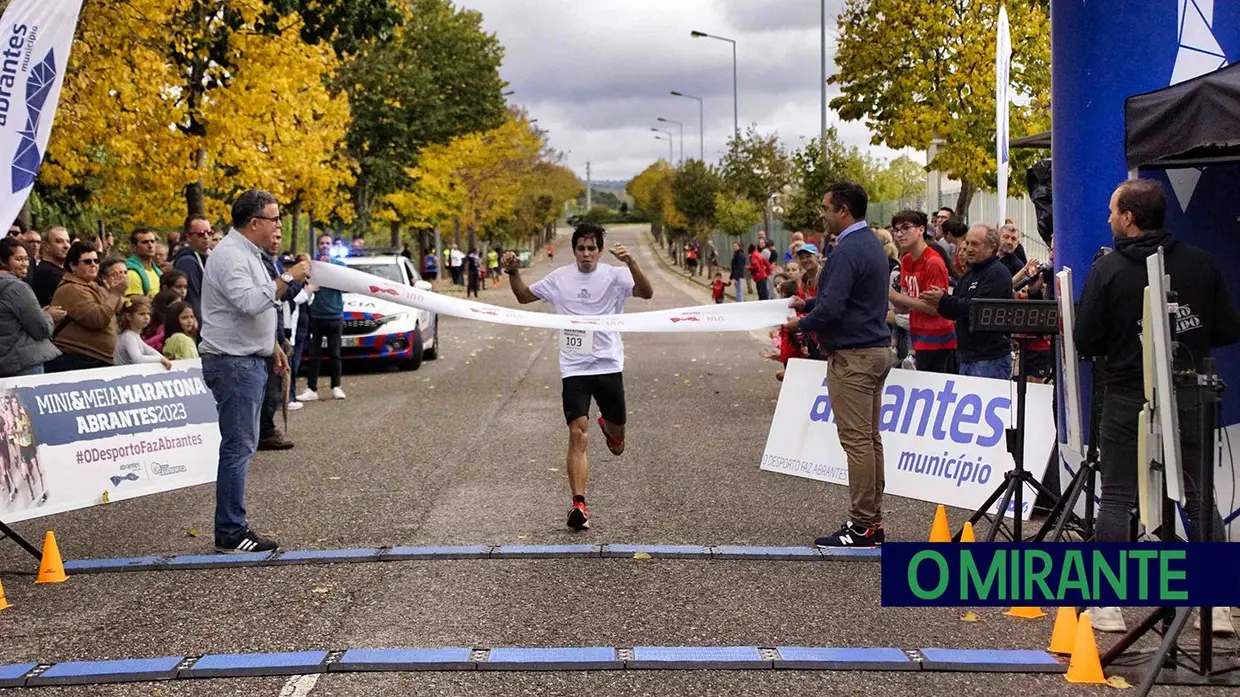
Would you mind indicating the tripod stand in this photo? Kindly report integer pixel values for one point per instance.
(1083, 481)
(1014, 480)
(1164, 667)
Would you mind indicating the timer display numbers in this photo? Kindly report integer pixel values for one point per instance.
(1015, 316)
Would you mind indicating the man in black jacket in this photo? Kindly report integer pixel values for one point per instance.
(191, 258)
(982, 355)
(1108, 324)
(849, 319)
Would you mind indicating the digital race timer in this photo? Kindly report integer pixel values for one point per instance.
(1014, 316)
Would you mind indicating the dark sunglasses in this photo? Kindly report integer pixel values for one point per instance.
(92, 262)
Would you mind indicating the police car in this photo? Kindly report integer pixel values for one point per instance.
(376, 329)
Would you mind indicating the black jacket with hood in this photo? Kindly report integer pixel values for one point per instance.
(1108, 318)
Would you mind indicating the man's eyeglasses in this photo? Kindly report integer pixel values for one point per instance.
(275, 220)
(92, 262)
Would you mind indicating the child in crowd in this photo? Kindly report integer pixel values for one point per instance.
(130, 348)
(786, 344)
(173, 287)
(717, 287)
(181, 332)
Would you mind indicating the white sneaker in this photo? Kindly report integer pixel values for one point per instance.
(1221, 624)
(337, 393)
(294, 406)
(1107, 619)
(308, 396)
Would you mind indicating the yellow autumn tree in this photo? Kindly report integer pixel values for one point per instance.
(170, 106)
(476, 179)
(652, 192)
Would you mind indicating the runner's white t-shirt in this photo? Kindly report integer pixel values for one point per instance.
(602, 292)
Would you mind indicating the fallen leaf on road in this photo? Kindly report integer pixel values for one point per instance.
(552, 469)
(641, 555)
(969, 616)
(687, 381)
(333, 479)
(1118, 682)
(523, 537)
(192, 533)
(320, 589)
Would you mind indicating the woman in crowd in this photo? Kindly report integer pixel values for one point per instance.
(25, 328)
(87, 336)
(111, 269)
(180, 332)
(738, 269)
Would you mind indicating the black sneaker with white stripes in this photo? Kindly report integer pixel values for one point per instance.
(249, 541)
(851, 535)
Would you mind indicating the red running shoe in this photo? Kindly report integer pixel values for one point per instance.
(579, 517)
(615, 446)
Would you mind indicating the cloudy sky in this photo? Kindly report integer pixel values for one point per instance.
(597, 73)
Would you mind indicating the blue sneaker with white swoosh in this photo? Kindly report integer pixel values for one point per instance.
(851, 535)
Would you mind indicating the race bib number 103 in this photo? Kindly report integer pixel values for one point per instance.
(577, 341)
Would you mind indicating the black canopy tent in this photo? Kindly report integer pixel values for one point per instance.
(1192, 124)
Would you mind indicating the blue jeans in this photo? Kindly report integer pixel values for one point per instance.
(740, 290)
(239, 384)
(997, 368)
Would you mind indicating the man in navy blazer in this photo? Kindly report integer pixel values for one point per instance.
(849, 318)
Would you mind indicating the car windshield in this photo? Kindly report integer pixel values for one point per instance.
(389, 272)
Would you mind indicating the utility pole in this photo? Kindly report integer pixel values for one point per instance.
(822, 134)
(589, 204)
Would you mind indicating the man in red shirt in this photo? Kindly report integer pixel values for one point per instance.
(934, 337)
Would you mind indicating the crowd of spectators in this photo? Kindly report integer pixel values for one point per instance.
(938, 264)
(69, 303)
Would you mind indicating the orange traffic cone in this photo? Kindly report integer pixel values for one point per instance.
(939, 532)
(1026, 613)
(966, 535)
(1085, 666)
(4, 602)
(1063, 636)
(51, 569)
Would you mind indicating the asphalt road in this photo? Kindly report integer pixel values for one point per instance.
(470, 449)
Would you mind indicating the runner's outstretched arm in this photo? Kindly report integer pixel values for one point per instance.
(512, 266)
(641, 285)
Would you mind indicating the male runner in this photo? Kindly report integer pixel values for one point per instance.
(591, 363)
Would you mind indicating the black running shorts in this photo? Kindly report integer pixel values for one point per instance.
(606, 390)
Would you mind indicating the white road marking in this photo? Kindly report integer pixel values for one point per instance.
(299, 685)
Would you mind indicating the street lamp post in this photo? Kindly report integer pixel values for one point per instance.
(682, 136)
(701, 136)
(736, 122)
(668, 136)
(822, 134)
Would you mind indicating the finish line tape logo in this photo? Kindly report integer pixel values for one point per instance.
(943, 437)
(1060, 575)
